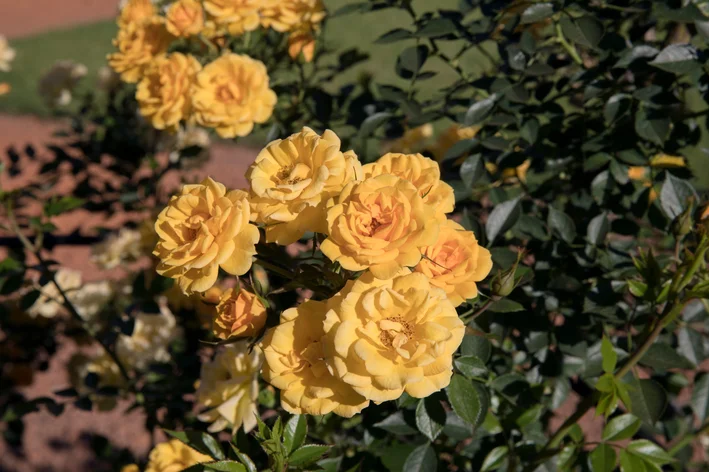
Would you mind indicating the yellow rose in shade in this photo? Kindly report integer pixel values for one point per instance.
(174, 456)
(421, 171)
(450, 136)
(667, 161)
(185, 18)
(301, 18)
(150, 340)
(292, 179)
(301, 41)
(164, 92)
(392, 336)
(237, 16)
(412, 139)
(294, 362)
(4, 88)
(239, 313)
(137, 45)
(136, 11)
(379, 224)
(511, 174)
(204, 228)
(638, 172)
(455, 262)
(103, 366)
(130, 468)
(228, 388)
(7, 55)
(231, 94)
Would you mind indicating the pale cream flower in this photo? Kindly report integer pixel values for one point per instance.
(107, 79)
(7, 54)
(57, 84)
(150, 340)
(109, 375)
(117, 249)
(228, 388)
(50, 301)
(90, 299)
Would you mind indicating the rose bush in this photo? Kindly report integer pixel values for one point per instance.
(441, 264)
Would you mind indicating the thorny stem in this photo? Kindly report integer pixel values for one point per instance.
(67, 302)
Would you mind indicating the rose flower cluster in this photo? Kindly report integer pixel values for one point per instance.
(393, 327)
(230, 93)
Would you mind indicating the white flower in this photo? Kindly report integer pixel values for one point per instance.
(228, 388)
(50, 301)
(56, 85)
(117, 248)
(90, 299)
(150, 340)
(7, 55)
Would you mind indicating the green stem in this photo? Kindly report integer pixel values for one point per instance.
(680, 442)
(475, 313)
(568, 46)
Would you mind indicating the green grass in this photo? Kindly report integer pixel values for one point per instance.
(87, 44)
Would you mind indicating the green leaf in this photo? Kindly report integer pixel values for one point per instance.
(537, 12)
(468, 400)
(648, 400)
(631, 463)
(225, 466)
(199, 441)
(411, 60)
(470, 366)
(57, 206)
(295, 432)
(674, 195)
(307, 455)
(563, 224)
(430, 417)
(505, 305)
(654, 128)
(566, 457)
(677, 58)
(395, 424)
(616, 106)
(609, 356)
(502, 218)
(530, 130)
(602, 458)
(397, 34)
(597, 229)
(436, 28)
(586, 31)
(472, 169)
(494, 458)
(479, 110)
(649, 452)
(421, 459)
(246, 460)
(371, 123)
(621, 427)
(700, 397)
(477, 346)
(664, 357)
(460, 149)
(690, 344)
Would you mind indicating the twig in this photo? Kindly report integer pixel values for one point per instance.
(475, 313)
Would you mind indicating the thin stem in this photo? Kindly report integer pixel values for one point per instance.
(568, 46)
(67, 302)
(475, 313)
(681, 441)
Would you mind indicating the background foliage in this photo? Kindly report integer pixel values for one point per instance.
(585, 111)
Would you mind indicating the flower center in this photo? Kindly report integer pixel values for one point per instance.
(395, 332)
(228, 94)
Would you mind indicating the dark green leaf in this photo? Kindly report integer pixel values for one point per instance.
(700, 397)
(395, 424)
(460, 149)
(649, 452)
(648, 400)
(199, 441)
(430, 417)
(468, 400)
(616, 106)
(436, 28)
(472, 169)
(246, 460)
(690, 344)
(530, 130)
(371, 123)
(563, 224)
(394, 35)
(477, 346)
(630, 463)
(470, 366)
(602, 458)
(677, 58)
(654, 128)
(621, 427)
(502, 218)
(421, 459)
(295, 432)
(307, 455)
(479, 110)
(537, 12)
(675, 195)
(411, 60)
(662, 356)
(57, 206)
(586, 31)
(598, 229)
(495, 458)
(506, 305)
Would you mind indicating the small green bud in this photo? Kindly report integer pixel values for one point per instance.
(505, 281)
(682, 225)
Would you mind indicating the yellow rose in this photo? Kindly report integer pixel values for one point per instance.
(4, 88)
(289, 15)
(379, 224)
(292, 179)
(421, 171)
(203, 228)
(392, 336)
(228, 388)
(294, 362)
(150, 340)
(301, 41)
(185, 18)
(164, 92)
(451, 136)
(239, 313)
(237, 16)
(231, 94)
(136, 11)
(455, 262)
(411, 140)
(137, 45)
(666, 161)
(174, 456)
(511, 174)
(130, 468)
(637, 172)
(50, 302)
